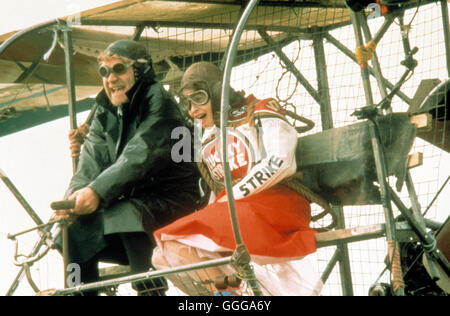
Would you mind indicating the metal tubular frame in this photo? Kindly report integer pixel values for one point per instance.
(19, 275)
(446, 27)
(364, 68)
(391, 236)
(138, 32)
(358, 21)
(70, 81)
(35, 255)
(341, 252)
(351, 55)
(11, 40)
(413, 217)
(323, 89)
(381, 168)
(418, 225)
(376, 64)
(290, 66)
(27, 207)
(221, 26)
(144, 276)
(330, 266)
(344, 258)
(35, 217)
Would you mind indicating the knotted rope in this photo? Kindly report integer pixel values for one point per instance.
(396, 267)
(365, 53)
(294, 184)
(76, 138)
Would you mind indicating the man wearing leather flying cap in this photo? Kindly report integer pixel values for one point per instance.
(126, 184)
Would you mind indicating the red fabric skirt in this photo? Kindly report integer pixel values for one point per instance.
(273, 223)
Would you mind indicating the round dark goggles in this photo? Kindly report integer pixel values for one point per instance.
(199, 97)
(118, 69)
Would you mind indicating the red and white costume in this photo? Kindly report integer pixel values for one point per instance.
(273, 219)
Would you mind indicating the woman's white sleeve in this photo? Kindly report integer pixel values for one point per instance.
(279, 141)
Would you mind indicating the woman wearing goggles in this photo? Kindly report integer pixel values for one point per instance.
(274, 219)
(198, 105)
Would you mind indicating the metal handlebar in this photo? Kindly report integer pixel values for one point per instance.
(63, 205)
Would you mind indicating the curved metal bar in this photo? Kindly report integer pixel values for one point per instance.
(29, 260)
(149, 275)
(224, 104)
(49, 52)
(11, 40)
(241, 255)
(30, 278)
(56, 231)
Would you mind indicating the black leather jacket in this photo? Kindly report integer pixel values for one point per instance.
(127, 160)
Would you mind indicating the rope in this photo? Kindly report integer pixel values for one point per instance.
(294, 184)
(283, 66)
(396, 268)
(278, 84)
(300, 129)
(207, 177)
(240, 261)
(364, 53)
(76, 138)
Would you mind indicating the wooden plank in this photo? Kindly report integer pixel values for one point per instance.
(438, 135)
(349, 235)
(422, 121)
(361, 233)
(415, 160)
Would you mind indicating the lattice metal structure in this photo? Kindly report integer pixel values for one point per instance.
(303, 54)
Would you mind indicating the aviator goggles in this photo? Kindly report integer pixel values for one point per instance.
(118, 69)
(199, 97)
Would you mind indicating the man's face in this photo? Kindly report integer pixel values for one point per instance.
(117, 85)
